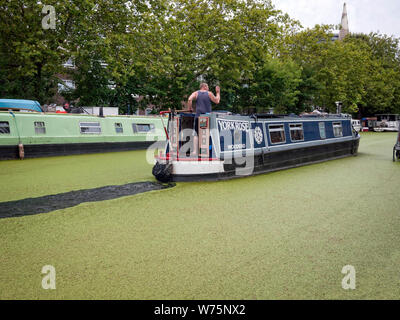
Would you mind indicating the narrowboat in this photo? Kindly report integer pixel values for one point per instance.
(368, 124)
(356, 124)
(387, 122)
(235, 145)
(396, 148)
(29, 134)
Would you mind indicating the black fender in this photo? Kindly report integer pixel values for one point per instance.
(162, 172)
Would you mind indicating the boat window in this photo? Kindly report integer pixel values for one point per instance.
(40, 127)
(296, 132)
(322, 132)
(90, 127)
(4, 127)
(142, 127)
(119, 128)
(277, 133)
(337, 129)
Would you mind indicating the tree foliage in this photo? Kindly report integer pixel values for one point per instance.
(159, 50)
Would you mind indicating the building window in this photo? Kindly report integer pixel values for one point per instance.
(142, 127)
(111, 85)
(119, 128)
(322, 132)
(103, 63)
(296, 132)
(90, 127)
(277, 133)
(40, 127)
(4, 127)
(66, 85)
(337, 129)
(70, 63)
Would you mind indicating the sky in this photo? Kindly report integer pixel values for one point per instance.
(364, 16)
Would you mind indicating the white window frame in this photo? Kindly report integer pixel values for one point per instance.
(40, 127)
(7, 126)
(293, 128)
(320, 125)
(90, 125)
(119, 125)
(275, 130)
(135, 125)
(337, 125)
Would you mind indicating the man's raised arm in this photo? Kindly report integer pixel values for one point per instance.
(213, 98)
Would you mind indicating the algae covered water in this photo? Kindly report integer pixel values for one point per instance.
(283, 235)
(29, 206)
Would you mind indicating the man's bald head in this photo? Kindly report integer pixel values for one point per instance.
(203, 86)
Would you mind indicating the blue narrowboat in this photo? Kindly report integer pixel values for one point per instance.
(234, 145)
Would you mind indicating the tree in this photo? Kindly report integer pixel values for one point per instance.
(29, 55)
(159, 50)
(307, 48)
(383, 87)
(362, 71)
(275, 86)
(218, 41)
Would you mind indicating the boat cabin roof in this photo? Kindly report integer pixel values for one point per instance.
(271, 117)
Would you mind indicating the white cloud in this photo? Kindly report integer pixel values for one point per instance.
(364, 15)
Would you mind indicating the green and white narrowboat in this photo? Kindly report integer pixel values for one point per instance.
(38, 134)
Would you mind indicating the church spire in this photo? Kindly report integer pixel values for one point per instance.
(344, 30)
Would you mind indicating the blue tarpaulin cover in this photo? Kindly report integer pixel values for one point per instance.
(20, 104)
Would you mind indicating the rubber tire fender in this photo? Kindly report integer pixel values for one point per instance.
(162, 172)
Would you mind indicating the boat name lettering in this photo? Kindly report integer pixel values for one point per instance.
(236, 146)
(234, 125)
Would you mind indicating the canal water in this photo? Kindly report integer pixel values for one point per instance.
(282, 235)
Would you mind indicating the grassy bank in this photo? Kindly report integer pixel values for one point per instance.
(284, 235)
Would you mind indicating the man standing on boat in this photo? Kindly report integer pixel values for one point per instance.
(203, 99)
